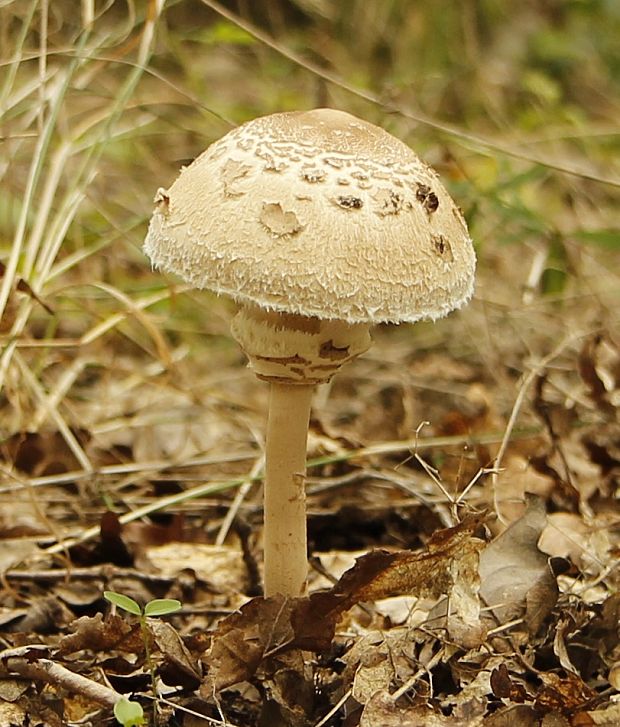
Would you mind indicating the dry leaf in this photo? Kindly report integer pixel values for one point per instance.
(397, 609)
(505, 687)
(241, 641)
(382, 711)
(374, 666)
(516, 478)
(222, 567)
(14, 551)
(12, 714)
(609, 717)
(564, 626)
(614, 676)
(98, 634)
(599, 367)
(520, 715)
(563, 695)
(288, 682)
(515, 576)
(179, 667)
(464, 626)
(567, 535)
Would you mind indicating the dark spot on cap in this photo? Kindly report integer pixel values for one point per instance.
(349, 202)
(431, 203)
(442, 247)
(428, 199)
(389, 202)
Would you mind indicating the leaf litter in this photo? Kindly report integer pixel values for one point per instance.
(424, 607)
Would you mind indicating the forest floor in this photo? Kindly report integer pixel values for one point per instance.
(463, 476)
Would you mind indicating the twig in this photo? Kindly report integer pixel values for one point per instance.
(335, 708)
(180, 708)
(86, 574)
(160, 504)
(146, 468)
(425, 669)
(23, 661)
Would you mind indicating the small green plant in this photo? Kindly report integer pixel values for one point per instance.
(156, 607)
(129, 713)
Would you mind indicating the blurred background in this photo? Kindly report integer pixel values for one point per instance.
(121, 384)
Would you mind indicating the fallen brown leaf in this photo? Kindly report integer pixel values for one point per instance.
(372, 660)
(564, 695)
(519, 715)
(99, 634)
(178, 667)
(516, 580)
(505, 687)
(382, 711)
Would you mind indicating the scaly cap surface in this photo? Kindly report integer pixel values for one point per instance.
(316, 213)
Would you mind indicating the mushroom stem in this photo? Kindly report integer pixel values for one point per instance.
(286, 560)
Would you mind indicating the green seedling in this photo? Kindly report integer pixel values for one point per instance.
(129, 713)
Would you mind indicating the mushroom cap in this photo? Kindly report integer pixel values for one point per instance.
(316, 213)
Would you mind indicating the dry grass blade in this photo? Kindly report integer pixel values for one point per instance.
(137, 310)
(49, 406)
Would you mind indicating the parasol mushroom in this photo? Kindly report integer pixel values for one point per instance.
(319, 225)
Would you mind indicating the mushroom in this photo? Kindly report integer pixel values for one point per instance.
(318, 224)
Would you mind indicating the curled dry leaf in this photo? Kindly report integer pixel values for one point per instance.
(614, 676)
(12, 714)
(505, 687)
(43, 615)
(565, 625)
(568, 535)
(178, 668)
(380, 660)
(289, 686)
(14, 551)
(516, 580)
(463, 622)
(271, 626)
